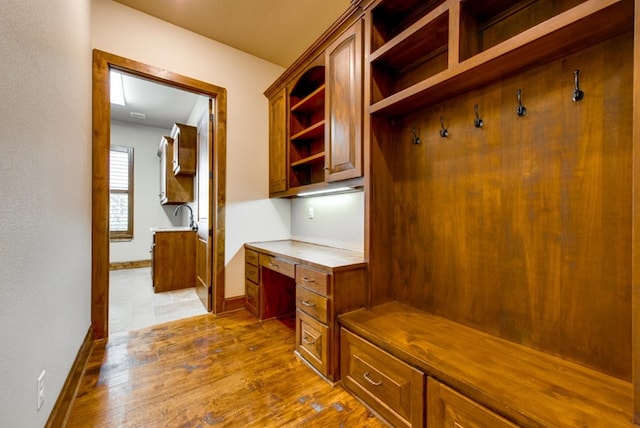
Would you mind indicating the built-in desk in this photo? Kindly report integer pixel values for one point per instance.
(315, 282)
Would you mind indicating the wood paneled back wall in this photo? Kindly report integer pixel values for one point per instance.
(521, 228)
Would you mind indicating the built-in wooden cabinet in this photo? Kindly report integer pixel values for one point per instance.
(185, 141)
(317, 141)
(343, 124)
(500, 169)
(392, 388)
(307, 127)
(173, 260)
(278, 143)
(174, 189)
(449, 409)
(315, 282)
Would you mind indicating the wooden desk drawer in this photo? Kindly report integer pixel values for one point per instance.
(312, 341)
(251, 257)
(284, 267)
(389, 386)
(312, 304)
(447, 408)
(252, 297)
(312, 279)
(252, 272)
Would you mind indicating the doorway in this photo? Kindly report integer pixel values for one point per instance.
(213, 257)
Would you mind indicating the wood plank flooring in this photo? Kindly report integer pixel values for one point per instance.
(224, 371)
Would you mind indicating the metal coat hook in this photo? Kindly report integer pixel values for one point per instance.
(477, 122)
(416, 139)
(520, 110)
(444, 133)
(578, 95)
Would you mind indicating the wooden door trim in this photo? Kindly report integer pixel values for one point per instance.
(102, 63)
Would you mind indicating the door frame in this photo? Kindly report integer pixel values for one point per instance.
(102, 63)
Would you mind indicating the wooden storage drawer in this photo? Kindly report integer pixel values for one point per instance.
(251, 257)
(284, 267)
(312, 304)
(252, 272)
(387, 385)
(312, 341)
(447, 408)
(312, 279)
(252, 297)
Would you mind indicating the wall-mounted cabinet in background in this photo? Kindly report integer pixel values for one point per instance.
(174, 189)
(315, 117)
(184, 149)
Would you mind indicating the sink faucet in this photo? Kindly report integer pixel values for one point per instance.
(192, 224)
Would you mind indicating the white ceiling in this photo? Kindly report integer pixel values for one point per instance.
(278, 31)
(162, 105)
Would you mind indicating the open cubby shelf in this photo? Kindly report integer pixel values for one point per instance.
(406, 77)
(306, 128)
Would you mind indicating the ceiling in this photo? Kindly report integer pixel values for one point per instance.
(278, 31)
(161, 105)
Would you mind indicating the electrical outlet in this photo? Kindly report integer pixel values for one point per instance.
(310, 213)
(40, 389)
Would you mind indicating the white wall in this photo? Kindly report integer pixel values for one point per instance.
(147, 210)
(338, 220)
(45, 218)
(250, 215)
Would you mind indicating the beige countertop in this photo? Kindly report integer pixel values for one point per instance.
(322, 256)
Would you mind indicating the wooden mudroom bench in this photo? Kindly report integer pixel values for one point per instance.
(459, 377)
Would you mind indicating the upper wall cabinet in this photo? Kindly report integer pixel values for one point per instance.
(278, 143)
(343, 126)
(315, 115)
(307, 128)
(184, 149)
(174, 189)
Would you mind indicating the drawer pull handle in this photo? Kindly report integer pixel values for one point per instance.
(308, 304)
(307, 341)
(371, 381)
(457, 425)
(273, 265)
(305, 279)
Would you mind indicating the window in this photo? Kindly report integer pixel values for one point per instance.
(121, 192)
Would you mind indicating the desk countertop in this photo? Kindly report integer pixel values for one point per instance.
(323, 257)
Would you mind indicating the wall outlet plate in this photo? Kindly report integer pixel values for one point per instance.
(40, 390)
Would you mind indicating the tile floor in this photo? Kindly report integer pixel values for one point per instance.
(134, 305)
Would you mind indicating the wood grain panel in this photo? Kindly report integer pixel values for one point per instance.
(522, 228)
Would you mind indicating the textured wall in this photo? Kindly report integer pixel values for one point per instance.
(45, 219)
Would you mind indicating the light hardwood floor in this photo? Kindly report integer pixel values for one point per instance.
(225, 371)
